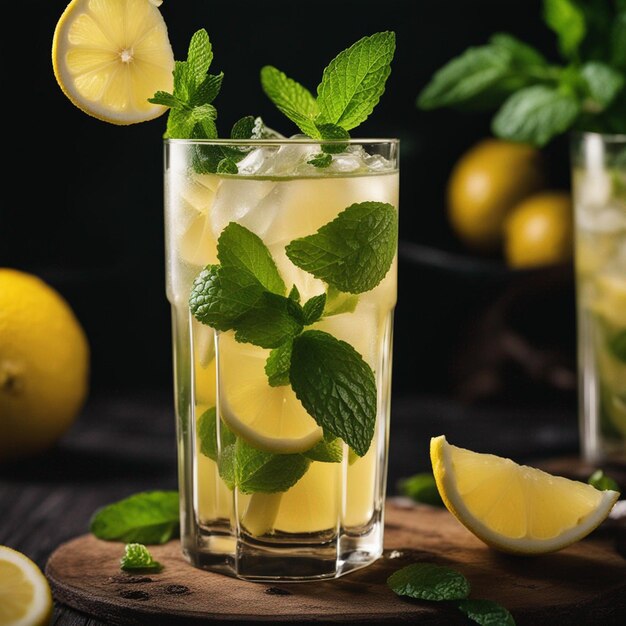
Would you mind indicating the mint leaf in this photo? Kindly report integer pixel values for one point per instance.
(294, 294)
(603, 83)
(184, 80)
(617, 346)
(465, 77)
(166, 99)
(321, 159)
(353, 252)
(535, 115)
(486, 613)
(220, 295)
(334, 134)
(226, 466)
(427, 581)
(199, 56)
(291, 98)
(336, 387)
(243, 128)
(521, 54)
(138, 558)
(207, 91)
(566, 19)
(271, 322)
(421, 488)
(148, 517)
(207, 434)
(278, 364)
(180, 123)
(354, 81)
(240, 248)
(259, 471)
(313, 309)
(227, 166)
(338, 302)
(326, 452)
(602, 482)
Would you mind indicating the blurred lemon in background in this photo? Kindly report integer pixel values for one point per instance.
(44, 363)
(485, 183)
(539, 230)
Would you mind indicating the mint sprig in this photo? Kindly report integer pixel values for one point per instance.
(350, 88)
(486, 613)
(149, 517)
(207, 434)
(137, 558)
(535, 100)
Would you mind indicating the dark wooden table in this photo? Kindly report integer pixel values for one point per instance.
(124, 443)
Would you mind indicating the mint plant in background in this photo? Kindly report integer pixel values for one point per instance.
(534, 99)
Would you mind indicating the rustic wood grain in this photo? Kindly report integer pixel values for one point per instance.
(583, 584)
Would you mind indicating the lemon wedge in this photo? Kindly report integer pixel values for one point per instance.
(110, 56)
(269, 418)
(515, 508)
(25, 598)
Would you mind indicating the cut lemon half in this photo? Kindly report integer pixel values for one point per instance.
(25, 598)
(515, 508)
(269, 418)
(110, 56)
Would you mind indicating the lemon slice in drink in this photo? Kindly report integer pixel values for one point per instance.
(25, 598)
(515, 508)
(269, 418)
(110, 56)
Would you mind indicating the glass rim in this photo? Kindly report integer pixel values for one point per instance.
(282, 141)
(606, 137)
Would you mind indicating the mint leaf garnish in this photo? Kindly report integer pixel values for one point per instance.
(535, 115)
(199, 56)
(240, 248)
(294, 294)
(427, 581)
(243, 128)
(260, 471)
(166, 99)
(227, 166)
(321, 159)
(421, 488)
(354, 252)
(271, 322)
(207, 91)
(226, 465)
(335, 135)
(336, 387)
(567, 20)
(149, 517)
(486, 613)
(350, 88)
(603, 83)
(291, 98)
(278, 364)
(313, 309)
(207, 434)
(602, 482)
(138, 558)
(354, 81)
(326, 452)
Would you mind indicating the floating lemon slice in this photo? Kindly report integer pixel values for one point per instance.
(110, 56)
(515, 508)
(25, 598)
(269, 418)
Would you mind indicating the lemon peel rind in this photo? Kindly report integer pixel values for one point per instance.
(266, 443)
(440, 451)
(42, 611)
(64, 80)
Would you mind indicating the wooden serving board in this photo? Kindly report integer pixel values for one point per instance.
(582, 584)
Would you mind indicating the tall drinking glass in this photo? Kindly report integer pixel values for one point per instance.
(599, 191)
(244, 436)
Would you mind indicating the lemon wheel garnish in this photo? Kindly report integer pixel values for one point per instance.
(25, 598)
(269, 418)
(110, 56)
(515, 508)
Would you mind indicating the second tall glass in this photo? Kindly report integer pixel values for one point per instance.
(266, 492)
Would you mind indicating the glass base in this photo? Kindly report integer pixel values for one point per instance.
(286, 557)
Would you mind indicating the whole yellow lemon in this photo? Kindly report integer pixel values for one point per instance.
(539, 230)
(44, 365)
(486, 181)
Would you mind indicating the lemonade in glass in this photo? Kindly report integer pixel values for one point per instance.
(312, 506)
(599, 185)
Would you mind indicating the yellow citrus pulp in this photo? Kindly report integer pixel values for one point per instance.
(515, 508)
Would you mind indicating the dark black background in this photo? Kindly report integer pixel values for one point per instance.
(86, 210)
